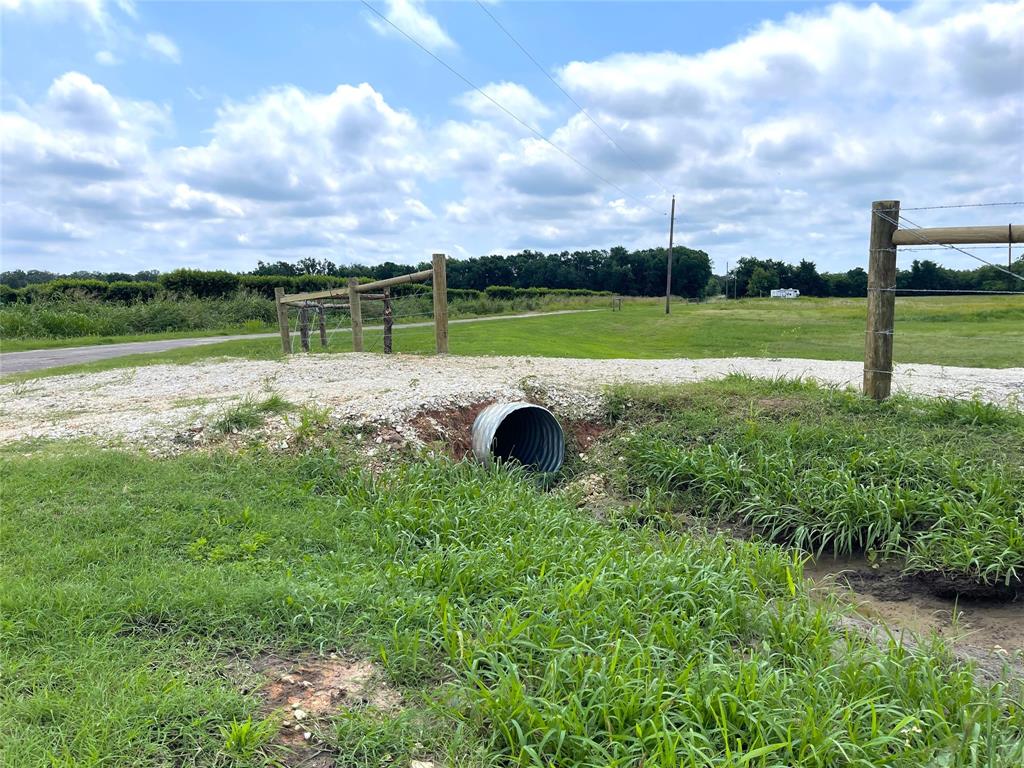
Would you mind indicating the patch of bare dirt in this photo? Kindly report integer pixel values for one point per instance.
(451, 426)
(986, 632)
(308, 689)
(583, 433)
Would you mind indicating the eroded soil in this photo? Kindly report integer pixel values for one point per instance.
(988, 632)
(307, 690)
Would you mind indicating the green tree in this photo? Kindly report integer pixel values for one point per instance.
(762, 281)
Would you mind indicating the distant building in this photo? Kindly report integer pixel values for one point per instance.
(785, 293)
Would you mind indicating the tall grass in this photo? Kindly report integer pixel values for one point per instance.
(74, 317)
(521, 630)
(879, 480)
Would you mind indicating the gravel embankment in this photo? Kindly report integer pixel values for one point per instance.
(150, 405)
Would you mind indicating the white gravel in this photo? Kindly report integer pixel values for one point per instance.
(152, 404)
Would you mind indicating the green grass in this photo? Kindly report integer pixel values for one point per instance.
(986, 331)
(82, 322)
(23, 345)
(936, 482)
(250, 413)
(520, 629)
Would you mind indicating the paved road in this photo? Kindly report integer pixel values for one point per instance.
(36, 359)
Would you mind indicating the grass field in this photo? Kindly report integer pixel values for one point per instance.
(985, 331)
(936, 485)
(22, 345)
(519, 628)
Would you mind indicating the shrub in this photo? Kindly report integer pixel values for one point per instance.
(9, 295)
(203, 284)
(69, 288)
(130, 292)
(505, 292)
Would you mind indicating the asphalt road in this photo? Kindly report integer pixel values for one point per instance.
(37, 359)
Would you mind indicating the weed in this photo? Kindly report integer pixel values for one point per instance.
(247, 740)
(936, 482)
(250, 413)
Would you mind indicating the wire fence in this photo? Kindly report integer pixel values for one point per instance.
(911, 334)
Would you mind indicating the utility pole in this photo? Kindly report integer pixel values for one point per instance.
(727, 281)
(671, 233)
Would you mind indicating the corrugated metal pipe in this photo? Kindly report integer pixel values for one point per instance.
(524, 432)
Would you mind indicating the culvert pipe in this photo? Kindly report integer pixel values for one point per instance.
(522, 432)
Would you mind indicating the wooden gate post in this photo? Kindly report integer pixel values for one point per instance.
(440, 281)
(881, 299)
(304, 327)
(282, 321)
(323, 324)
(389, 321)
(357, 314)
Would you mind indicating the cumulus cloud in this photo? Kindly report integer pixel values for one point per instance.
(514, 97)
(412, 18)
(163, 46)
(795, 127)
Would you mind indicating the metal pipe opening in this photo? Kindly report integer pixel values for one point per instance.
(521, 432)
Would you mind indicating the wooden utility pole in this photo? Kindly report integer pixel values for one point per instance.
(323, 324)
(304, 328)
(440, 282)
(357, 314)
(668, 271)
(282, 321)
(389, 322)
(881, 299)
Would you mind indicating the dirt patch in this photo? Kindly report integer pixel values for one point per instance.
(307, 690)
(988, 633)
(583, 434)
(451, 426)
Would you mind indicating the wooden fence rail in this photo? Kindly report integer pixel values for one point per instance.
(886, 235)
(352, 295)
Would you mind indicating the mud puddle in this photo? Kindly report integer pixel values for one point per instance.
(990, 633)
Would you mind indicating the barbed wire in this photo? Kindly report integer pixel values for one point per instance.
(923, 238)
(964, 205)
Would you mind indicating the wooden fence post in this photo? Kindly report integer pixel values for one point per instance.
(357, 314)
(389, 322)
(282, 321)
(323, 324)
(304, 328)
(440, 282)
(881, 299)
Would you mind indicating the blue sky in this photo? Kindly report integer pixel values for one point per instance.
(158, 135)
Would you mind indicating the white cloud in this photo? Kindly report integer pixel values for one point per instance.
(164, 46)
(516, 98)
(92, 11)
(106, 58)
(411, 17)
(794, 128)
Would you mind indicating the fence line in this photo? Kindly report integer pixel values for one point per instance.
(886, 235)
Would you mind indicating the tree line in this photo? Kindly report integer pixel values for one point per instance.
(617, 270)
(758, 277)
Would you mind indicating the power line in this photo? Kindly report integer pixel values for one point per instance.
(570, 98)
(942, 247)
(503, 108)
(962, 205)
(925, 239)
(947, 291)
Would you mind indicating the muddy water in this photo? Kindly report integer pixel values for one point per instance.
(987, 632)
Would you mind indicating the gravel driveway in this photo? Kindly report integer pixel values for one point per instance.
(150, 405)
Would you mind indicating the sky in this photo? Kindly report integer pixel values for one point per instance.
(158, 135)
